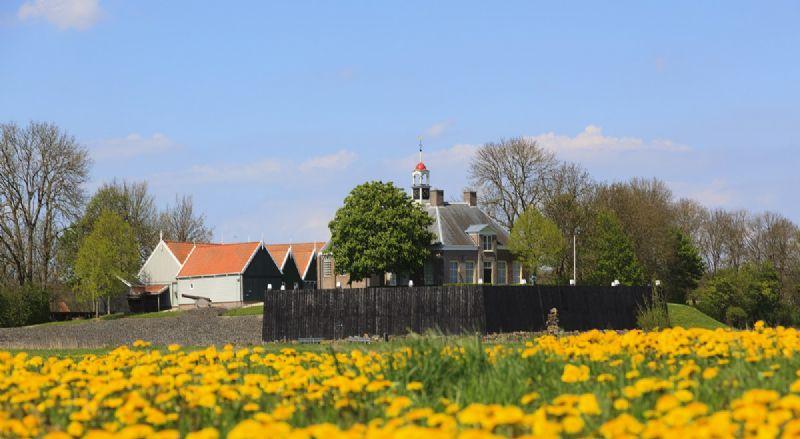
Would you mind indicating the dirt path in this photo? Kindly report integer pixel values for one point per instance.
(190, 328)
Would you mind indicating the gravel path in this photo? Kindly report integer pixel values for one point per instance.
(189, 328)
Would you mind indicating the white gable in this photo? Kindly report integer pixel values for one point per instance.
(161, 267)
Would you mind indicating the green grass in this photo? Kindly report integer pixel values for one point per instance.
(248, 311)
(689, 317)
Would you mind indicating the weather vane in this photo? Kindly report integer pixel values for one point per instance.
(420, 147)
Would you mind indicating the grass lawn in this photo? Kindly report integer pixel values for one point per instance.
(689, 317)
(246, 311)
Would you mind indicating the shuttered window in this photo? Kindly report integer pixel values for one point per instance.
(327, 266)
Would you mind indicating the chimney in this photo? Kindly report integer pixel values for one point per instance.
(437, 197)
(471, 198)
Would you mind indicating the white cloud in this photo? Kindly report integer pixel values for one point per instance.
(592, 141)
(64, 14)
(438, 129)
(717, 193)
(222, 173)
(339, 160)
(132, 145)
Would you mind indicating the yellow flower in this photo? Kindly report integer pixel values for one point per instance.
(710, 373)
(414, 385)
(621, 404)
(574, 374)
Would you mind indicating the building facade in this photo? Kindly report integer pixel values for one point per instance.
(469, 247)
(182, 274)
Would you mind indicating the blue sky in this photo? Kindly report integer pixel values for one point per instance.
(268, 113)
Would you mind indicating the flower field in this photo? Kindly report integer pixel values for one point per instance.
(670, 383)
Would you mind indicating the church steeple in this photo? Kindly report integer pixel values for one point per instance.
(420, 180)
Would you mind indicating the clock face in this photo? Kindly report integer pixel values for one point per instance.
(416, 193)
(426, 193)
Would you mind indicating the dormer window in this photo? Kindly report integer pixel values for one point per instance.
(487, 242)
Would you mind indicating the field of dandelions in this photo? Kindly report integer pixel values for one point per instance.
(669, 383)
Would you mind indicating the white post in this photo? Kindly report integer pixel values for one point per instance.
(410, 283)
(574, 259)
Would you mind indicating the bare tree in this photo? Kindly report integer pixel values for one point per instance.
(511, 176)
(569, 204)
(773, 239)
(644, 208)
(181, 223)
(42, 173)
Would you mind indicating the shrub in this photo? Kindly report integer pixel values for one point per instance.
(736, 317)
(23, 306)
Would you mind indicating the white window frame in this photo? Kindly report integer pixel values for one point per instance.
(469, 279)
(452, 279)
(516, 272)
(487, 243)
(502, 273)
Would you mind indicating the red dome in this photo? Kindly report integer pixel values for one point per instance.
(421, 167)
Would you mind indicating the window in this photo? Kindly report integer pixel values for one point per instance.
(501, 272)
(453, 278)
(469, 268)
(516, 272)
(487, 241)
(428, 272)
(327, 266)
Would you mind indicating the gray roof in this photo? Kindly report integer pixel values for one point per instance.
(453, 222)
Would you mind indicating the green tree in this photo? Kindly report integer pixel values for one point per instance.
(535, 240)
(107, 255)
(611, 253)
(753, 288)
(686, 269)
(132, 202)
(378, 230)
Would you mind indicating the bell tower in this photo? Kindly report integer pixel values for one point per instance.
(420, 180)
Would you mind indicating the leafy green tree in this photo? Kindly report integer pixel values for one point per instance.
(378, 230)
(611, 253)
(535, 240)
(107, 255)
(132, 202)
(754, 288)
(686, 269)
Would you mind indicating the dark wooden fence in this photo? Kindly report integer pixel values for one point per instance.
(332, 314)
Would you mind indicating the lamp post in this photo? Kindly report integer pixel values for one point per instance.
(575, 256)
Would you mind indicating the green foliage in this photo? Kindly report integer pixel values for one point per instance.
(535, 240)
(131, 202)
(378, 230)
(686, 269)
(612, 253)
(754, 289)
(21, 306)
(107, 254)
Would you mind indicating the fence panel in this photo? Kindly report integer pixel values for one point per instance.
(340, 313)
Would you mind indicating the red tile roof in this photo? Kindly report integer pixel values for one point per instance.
(181, 250)
(149, 289)
(303, 253)
(213, 259)
(278, 253)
